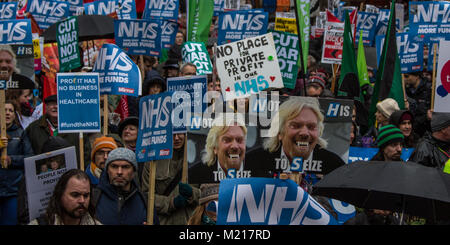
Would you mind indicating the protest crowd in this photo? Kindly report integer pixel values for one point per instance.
(88, 136)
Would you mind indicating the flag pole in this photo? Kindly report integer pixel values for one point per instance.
(3, 126)
(434, 75)
(302, 68)
(151, 192)
(184, 174)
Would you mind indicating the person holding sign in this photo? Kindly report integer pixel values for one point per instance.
(174, 201)
(118, 188)
(419, 90)
(47, 125)
(18, 147)
(70, 202)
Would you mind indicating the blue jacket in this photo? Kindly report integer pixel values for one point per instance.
(19, 147)
(114, 209)
(94, 179)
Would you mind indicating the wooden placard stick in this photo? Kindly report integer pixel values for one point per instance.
(3, 126)
(151, 192)
(184, 174)
(105, 114)
(333, 83)
(434, 76)
(81, 152)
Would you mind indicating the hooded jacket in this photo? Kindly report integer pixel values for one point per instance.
(18, 149)
(115, 208)
(428, 154)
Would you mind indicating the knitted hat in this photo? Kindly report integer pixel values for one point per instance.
(102, 142)
(208, 192)
(122, 154)
(439, 121)
(316, 79)
(389, 134)
(387, 107)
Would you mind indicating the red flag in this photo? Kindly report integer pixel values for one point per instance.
(122, 107)
(34, 26)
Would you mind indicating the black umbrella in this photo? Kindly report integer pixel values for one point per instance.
(397, 186)
(90, 27)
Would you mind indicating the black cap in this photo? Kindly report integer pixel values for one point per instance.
(51, 98)
(128, 121)
(171, 64)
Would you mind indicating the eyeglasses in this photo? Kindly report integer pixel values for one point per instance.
(102, 153)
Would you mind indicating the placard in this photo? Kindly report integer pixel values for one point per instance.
(441, 97)
(41, 178)
(288, 54)
(238, 25)
(196, 53)
(67, 38)
(118, 74)
(47, 12)
(248, 66)
(263, 201)
(429, 19)
(139, 37)
(164, 9)
(78, 102)
(155, 139)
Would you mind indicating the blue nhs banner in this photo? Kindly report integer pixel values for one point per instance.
(367, 22)
(15, 32)
(125, 9)
(264, 201)
(48, 12)
(410, 52)
(187, 98)
(139, 37)
(78, 102)
(154, 140)
(238, 25)
(429, 19)
(8, 10)
(164, 9)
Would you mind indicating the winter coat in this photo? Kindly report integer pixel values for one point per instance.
(38, 133)
(85, 220)
(166, 171)
(428, 154)
(422, 102)
(19, 147)
(114, 208)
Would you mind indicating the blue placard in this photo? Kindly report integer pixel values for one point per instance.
(139, 37)
(365, 154)
(154, 140)
(8, 10)
(2, 84)
(410, 52)
(218, 7)
(238, 25)
(126, 9)
(264, 201)
(343, 210)
(429, 19)
(187, 90)
(169, 33)
(78, 102)
(164, 9)
(367, 22)
(15, 32)
(430, 45)
(74, 5)
(48, 12)
(118, 73)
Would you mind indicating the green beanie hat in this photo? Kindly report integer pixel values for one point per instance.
(389, 134)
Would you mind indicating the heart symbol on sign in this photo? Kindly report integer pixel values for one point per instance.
(228, 89)
(272, 78)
